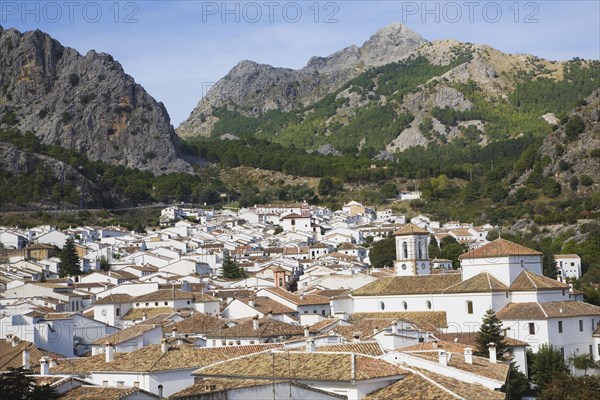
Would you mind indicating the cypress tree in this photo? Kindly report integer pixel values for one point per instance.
(69, 260)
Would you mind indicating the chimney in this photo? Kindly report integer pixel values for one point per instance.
(15, 341)
(306, 331)
(442, 358)
(45, 366)
(270, 313)
(375, 330)
(356, 337)
(163, 345)
(109, 352)
(310, 345)
(26, 358)
(251, 302)
(144, 316)
(468, 355)
(434, 344)
(255, 322)
(394, 328)
(302, 296)
(492, 349)
(174, 333)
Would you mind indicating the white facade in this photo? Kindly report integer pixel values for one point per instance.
(567, 266)
(505, 268)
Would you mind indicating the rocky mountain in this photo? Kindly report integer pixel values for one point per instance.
(257, 88)
(573, 149)
(87, 103)
(395, 92)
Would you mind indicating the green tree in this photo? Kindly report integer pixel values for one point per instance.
(383, 253)
(104, 264)
(517, 384)
(69, 260)
(231, 269)
(567, 387)
(490, 331)
(548, 364)
(18, 384)
(583, 362)
(451, 250)
(389, 190)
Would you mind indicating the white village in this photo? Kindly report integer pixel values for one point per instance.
(282, 301)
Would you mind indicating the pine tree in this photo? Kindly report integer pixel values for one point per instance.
(231, 270)
(69, 260)
(490, 332)
(17, 384)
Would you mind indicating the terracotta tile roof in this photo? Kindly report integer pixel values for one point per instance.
(12, 357)
(449, 346)
(302, 300)
(422, 384)
(267, 328)
(324, 325)
(101, 393)
(138, 313)
(332, 292)
(199, 323)
(530, 281)
(467, 339)
(151, 359)
(212, 386)
(410, 229)
(481, 366)
(426, 320)
(264, 305)
(371, 348)
(118, 298)
(402, 285)
(500, 248)
(483, 282)
(554, 309)
(304, 366)
(124, 335)
(559, 256)
(165, 294)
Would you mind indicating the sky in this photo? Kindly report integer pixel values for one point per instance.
(178, 49)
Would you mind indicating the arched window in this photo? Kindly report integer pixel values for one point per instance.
(404, 305)
(404, 250)
(382, 305)
(428, 304)
(419, 250)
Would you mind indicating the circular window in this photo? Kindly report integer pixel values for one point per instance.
(382, 305)
(188, 302)
(404, 305)
(404, 266)
(137, 304)
(428, 304)
(156, 304)
(147, 304)
(166, 303)
(423, 266)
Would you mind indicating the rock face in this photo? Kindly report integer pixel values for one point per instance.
(252, 88)
(17, 162)
(576, 155)
(87, 103)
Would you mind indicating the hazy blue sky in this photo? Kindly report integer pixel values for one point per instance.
(177, 49)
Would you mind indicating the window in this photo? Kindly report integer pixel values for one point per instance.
(598, 348)
(404, 305)
(404, 250)
(469, 307)
(428, 304)
(560, 327)
(562, 352)
(381, 305)
(120, 383)
(580, 325)
(531, 328)
(105, 383)
(136, 385)
(147, 304)
(323, 312)
(137, 304)
(166, 303)
(591, 349)
(404, 267)
(118, 312)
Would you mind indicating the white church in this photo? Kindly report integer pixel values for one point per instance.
(501, 275)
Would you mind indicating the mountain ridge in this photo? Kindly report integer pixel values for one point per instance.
(84, 102)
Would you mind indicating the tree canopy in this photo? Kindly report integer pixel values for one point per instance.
(490, 331)
(69, 260)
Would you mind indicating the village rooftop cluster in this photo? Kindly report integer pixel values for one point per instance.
(307, 318)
